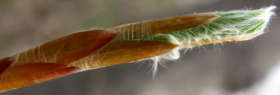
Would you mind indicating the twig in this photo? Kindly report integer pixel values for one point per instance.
(162, 38)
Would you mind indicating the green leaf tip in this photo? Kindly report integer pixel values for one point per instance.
(237, 25)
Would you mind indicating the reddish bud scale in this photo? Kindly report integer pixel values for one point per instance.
(67, 49)
(164, 25)
(5, 63)
(51, 60)
(16, 76)
(125, 51)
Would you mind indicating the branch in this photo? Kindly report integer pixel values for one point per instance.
(157, 39)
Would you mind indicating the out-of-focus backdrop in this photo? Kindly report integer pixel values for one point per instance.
(242, 68)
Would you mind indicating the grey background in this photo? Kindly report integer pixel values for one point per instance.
(206, 70)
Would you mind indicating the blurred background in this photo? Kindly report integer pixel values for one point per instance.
(241, 68)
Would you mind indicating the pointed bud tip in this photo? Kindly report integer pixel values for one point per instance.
(208, 18)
